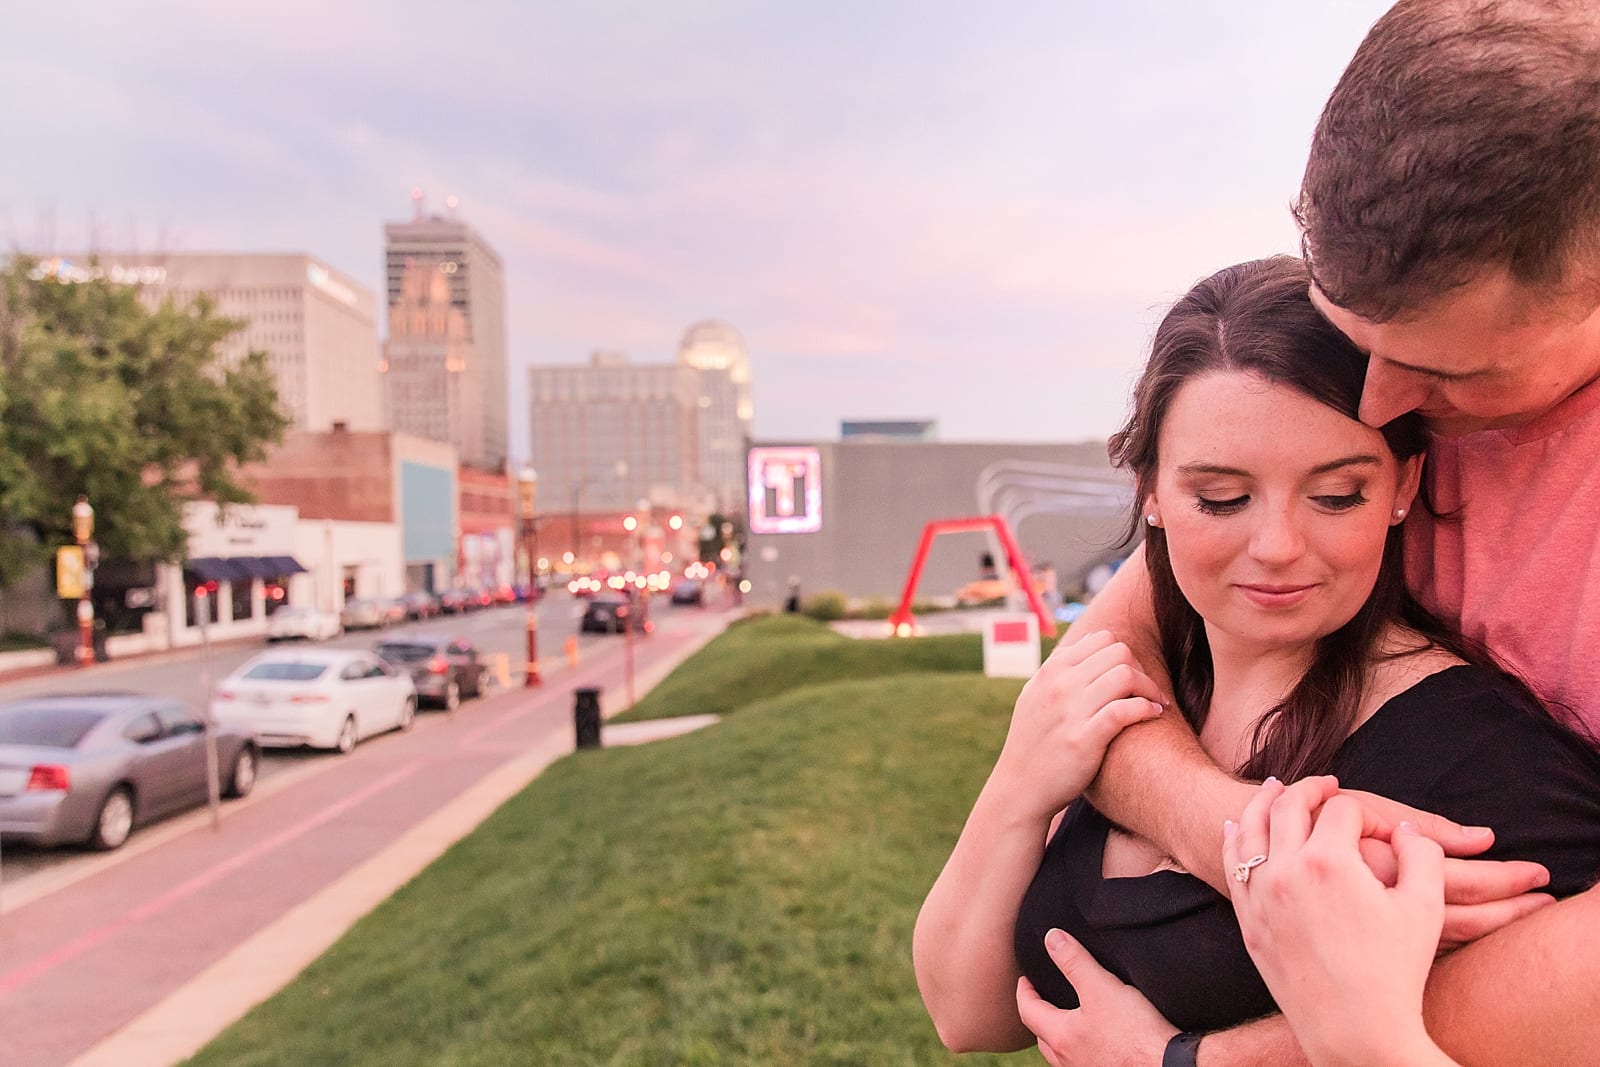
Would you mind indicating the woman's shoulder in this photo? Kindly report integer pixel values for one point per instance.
(1401, 667)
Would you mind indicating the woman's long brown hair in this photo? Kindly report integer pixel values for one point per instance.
(1257, 318)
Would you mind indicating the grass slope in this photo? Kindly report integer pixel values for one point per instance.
(742, 895)
(763, 656)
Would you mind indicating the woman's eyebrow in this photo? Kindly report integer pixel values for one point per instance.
(1360, 459)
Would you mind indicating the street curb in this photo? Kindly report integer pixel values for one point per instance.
(186, 1021)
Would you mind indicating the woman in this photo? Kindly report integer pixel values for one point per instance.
(1274, 553)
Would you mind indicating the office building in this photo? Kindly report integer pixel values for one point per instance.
(317, 326)
(446, 374)
(606, 435)
(721, 363)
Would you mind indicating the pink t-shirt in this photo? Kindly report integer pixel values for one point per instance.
(1518, 567)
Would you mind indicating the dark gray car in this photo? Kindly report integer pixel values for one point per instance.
(444, 669)
(89, 768)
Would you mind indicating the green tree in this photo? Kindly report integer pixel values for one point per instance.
(133, 407)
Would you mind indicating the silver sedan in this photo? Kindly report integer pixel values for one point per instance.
(88, 769)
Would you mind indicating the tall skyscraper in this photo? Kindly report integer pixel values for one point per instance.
(721, 364)
(435, 377)
(317, 326)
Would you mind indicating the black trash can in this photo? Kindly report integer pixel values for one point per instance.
(586, 716)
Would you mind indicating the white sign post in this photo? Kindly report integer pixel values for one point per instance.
(1010, 645)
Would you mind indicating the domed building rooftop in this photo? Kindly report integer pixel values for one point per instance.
(715, 345)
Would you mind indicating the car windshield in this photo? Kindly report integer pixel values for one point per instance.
(47, 727)
(404, 653)
(285, 672)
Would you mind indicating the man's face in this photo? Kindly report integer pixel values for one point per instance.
(1489, 354)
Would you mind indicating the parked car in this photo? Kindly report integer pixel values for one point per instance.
(455, 601)
(688, 591)
(303, 621)
(395, 610)
(89, 769)
(361, 613)
(443, 669)
(325, 698)
(607, 612)
(421, 604)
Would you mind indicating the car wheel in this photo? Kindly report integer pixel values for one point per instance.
(242, 778)
(115, 821)
(346, 743)
(408, 714)
(452, 696)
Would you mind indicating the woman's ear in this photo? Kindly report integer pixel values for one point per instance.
(1152, 511)
(1406, 492)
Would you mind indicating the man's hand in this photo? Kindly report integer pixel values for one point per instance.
(1480, 896)
(1114, 1025)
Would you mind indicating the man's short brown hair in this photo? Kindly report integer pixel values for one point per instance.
(1464, 135)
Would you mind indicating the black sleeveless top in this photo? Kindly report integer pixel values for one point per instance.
(1462, 743)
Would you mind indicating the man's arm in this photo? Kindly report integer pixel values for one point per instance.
(1528, 993)
(1156, 779)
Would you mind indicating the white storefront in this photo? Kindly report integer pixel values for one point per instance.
(247, 560)
(348, 560)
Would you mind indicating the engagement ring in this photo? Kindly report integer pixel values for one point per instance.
(1241, 871)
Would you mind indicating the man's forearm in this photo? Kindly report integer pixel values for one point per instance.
(1527, 993)
(1266, 1042)
(1159, 783)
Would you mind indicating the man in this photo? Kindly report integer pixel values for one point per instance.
(1451, 219)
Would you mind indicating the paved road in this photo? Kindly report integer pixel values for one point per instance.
(500, 631)
(85, 949)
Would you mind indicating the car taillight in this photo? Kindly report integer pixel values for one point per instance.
(309, 698)
(224, 694)
(48, 778)
(437, 666)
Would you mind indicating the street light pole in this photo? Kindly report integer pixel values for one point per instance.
(82, 531)
(527, 485)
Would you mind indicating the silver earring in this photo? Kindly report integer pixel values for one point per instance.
(1399, 513)
(1151, 519)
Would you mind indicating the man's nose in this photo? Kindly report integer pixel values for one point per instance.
(1389, 393)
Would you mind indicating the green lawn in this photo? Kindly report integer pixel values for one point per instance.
(743, 895)
(773, 654)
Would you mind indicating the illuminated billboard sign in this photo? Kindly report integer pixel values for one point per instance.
(785, 490)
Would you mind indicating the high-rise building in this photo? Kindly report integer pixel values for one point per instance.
(721, 363)
(446, 376)
(317, 326)
(608, 434)
(429, 389)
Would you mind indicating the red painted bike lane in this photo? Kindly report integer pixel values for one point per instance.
(80, 963)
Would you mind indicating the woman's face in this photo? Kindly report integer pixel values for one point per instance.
(1275, 508)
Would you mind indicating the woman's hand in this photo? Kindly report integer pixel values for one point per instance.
(1345, 955)
(1069, 711)
(1113, 1025)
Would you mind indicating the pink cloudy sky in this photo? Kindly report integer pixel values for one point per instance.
(968, 212)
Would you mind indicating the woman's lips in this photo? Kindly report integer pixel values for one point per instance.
(1276, 596)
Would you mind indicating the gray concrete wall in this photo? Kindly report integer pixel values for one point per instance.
(878, 495)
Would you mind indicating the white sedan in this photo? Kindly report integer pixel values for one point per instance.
(303, 621)
(325, 698)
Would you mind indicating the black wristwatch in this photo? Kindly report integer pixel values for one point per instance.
(1182, 1051)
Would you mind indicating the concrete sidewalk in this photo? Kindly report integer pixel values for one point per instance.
(492, 751)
